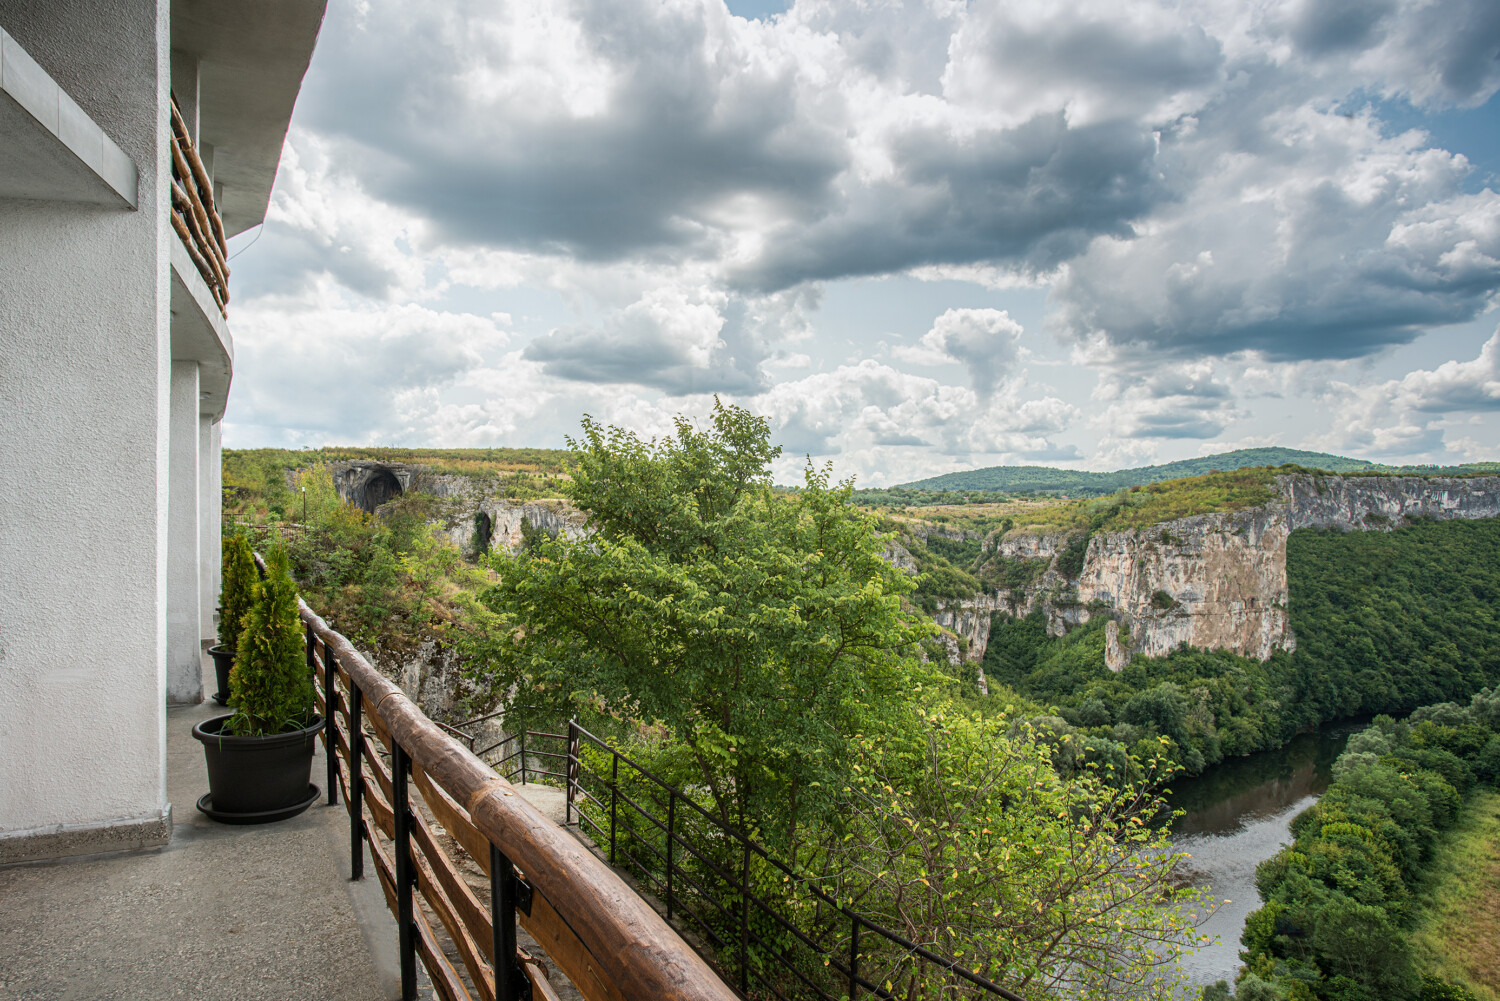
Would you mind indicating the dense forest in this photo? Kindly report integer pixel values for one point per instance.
(1384, 621)
(1342, 900)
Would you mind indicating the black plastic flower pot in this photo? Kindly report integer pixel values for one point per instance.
(223, 661)
(256, 780)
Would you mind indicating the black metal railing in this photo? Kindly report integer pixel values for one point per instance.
(398, 774)
(771, 931)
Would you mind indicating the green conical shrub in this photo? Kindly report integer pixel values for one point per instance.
(238, 591)
(270, 687)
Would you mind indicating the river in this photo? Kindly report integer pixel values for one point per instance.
(1238, 815)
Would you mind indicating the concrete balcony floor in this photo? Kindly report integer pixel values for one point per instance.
(254, 913)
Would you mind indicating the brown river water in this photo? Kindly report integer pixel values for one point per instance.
(1237, 815)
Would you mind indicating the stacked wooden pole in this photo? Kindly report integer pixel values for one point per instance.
(195, 217)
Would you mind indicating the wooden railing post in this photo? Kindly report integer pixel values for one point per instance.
(406, 877)
(356, 781)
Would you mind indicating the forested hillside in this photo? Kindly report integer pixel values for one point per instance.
(1385, 622)
(1081, 483)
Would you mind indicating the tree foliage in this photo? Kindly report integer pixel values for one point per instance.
(962, 837)
(760, 629)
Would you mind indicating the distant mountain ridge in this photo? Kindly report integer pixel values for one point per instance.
(1079, 483)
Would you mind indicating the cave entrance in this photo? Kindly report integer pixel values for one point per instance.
(379, 488)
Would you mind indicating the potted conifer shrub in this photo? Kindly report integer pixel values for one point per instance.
(260, 756)
(235, 598)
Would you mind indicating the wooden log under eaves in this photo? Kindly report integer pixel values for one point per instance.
(199, 174)
(194, 220)
(182, 172)
(204, 270)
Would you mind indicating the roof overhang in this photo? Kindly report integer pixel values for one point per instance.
(251, 60)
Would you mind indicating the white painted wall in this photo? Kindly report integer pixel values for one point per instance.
(184, 589)
(210, 505)
(84, 373)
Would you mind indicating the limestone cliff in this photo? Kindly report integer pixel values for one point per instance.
(1215, 581)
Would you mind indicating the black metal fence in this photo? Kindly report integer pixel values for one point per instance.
(773, 932)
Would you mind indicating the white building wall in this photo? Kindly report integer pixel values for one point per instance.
(184, 590)
(84, 373)
(210, 503)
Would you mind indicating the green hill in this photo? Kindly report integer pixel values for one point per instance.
(1079, 483)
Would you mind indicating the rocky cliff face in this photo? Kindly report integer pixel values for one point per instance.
(1215, 581)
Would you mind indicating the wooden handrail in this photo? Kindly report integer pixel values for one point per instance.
(630, 950)
(194, 215)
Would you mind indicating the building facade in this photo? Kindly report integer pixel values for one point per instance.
(136, 137)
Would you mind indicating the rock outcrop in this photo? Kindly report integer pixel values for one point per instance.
(1214, 581)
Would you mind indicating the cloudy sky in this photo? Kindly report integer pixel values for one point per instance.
(918, 235)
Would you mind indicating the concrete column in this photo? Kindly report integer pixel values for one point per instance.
(210, 505)
(184, 590)
(85, 373)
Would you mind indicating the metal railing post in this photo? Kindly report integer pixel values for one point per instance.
(511, 983)
(614, 789)
(406, 921)
(356, 781)
(745, 920)
(522, 740)
(331, 724)
(671, 823)
(572, 771)
(854, 958)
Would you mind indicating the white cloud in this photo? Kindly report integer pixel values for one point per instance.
(318, 370)
(679, 185)
(1408, 416)
(985, 341)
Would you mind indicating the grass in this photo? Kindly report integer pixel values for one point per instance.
(1144, 506)
(1456, 934)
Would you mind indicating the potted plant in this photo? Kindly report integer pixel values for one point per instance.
(235, 598)
(260, 756)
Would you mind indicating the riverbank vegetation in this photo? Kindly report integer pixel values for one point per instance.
(1385, 622)
(1365, 870)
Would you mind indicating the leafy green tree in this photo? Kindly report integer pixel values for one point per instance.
(961, 836)
(760, 629)
(270, 687)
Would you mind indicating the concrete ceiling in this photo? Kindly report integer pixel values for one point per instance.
(252, 55)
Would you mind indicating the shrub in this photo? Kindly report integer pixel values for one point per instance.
(238, 592)
(270, 687)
